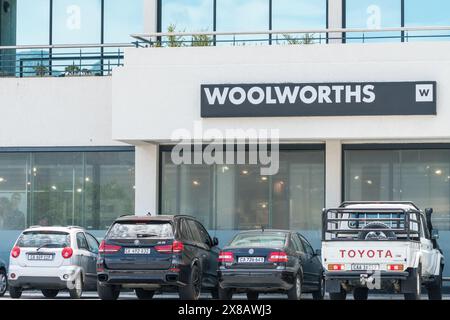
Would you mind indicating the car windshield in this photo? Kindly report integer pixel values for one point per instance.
(261, 239)
(49, 239)
(134, 230)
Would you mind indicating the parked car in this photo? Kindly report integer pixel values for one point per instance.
(157, 253)
(3, 278)
(263, 261)
(388, 246)
(52, 259)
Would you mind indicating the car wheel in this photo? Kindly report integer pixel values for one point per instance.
(108, 292)
(435, 289)
(49, 293)
(360, 293)
(320, 294)
(225, 294)
(192, 290)
(144, 294)
(3, 283)
(15, 292)
(338, 295)
(77, 290)
(295, 293)
(252, 295)
(417, 276)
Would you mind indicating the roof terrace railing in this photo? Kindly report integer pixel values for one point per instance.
(99, 59)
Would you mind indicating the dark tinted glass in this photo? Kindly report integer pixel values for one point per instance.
(81, 241)
(134, 230)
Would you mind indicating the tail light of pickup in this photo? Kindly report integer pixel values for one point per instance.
(336, 267)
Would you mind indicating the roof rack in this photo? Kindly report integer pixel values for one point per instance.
(346, 203)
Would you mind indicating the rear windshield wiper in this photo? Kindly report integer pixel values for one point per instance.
(147, 235)
(48, 245)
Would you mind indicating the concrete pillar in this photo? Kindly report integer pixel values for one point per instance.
(150, 16)
(335, 19)
(333, 173)
(147, 179)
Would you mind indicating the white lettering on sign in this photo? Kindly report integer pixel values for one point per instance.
(308, 94)
(362, 253)
(73, 21)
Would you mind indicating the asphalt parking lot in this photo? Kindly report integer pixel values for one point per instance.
(37, 295)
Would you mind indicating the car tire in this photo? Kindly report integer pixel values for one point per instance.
(225, 294)
(338, 295)
(320, 294)
(15, 292)
(193, 287)
(3, 282)
(435, 289)
(417, 276)
(252, 295)
(50, 293)
(144, 294)
(108, 292)
(77, 292)
(295, 293)
(360, 293)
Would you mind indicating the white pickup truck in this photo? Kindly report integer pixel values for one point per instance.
(387, 246)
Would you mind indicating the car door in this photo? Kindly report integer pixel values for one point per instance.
(212, 253)
(426, 246)
(202, 249)
(303, 258)
(82, 253)
(312, 265)
(91, 271)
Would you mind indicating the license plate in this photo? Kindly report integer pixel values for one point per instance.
(137, 251)
(365, 267)
(40, 257)
(251, 260)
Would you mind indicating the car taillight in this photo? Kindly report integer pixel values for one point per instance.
(336, 267)
(225, 256)
(108, 248)
(175, 247)
(67, 252)
(278, 257)
(15, 252)
(395, 267)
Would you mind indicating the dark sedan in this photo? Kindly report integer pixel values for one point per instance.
(276, 261)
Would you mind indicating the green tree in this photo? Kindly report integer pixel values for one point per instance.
(173, 40)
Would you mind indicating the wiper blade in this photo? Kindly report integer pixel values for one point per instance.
(47, 245)
(147, 235)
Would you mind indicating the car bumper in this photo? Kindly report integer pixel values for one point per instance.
(356, 275)
(262, 280)
(43, 278)
(140, 278)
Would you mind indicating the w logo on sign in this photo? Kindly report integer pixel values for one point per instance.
(424, 93)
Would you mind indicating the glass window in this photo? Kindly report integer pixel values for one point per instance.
(140, 229)
(33, 22)
(307, 246)
(373, 14)
(36, 239)
(203, 233)
(260, 239)
(81, 241)
(92, 242)
(299, 14)
(421, 176)
(193, 15)
(427, 13)
(14, 186)
(293, 198)
(76, 21)
(195, 231)
(123, 18)
(185, 232)
(297, 243)
(243, 15)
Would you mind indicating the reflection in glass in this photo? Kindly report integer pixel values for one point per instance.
(373, 14)
(194, 15)
(427, 13)
(230, 197)
(123, 18)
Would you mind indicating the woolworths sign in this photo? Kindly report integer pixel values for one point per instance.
(318, 99)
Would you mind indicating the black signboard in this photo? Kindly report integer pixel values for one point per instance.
(318, 99)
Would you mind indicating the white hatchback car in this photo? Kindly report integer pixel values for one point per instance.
(52, 259)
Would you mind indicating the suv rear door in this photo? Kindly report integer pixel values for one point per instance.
(203, 249)
(137, 242)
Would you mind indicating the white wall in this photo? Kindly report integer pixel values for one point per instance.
(158, 91)
(72, 111)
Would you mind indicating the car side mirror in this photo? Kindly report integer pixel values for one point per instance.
(428, 211)
(215, 242)
(318, 252)
(435, 234)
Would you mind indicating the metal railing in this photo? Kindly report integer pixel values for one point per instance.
(298, 36)
(61, 60)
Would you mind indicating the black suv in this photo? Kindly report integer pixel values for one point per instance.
(157, 253)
